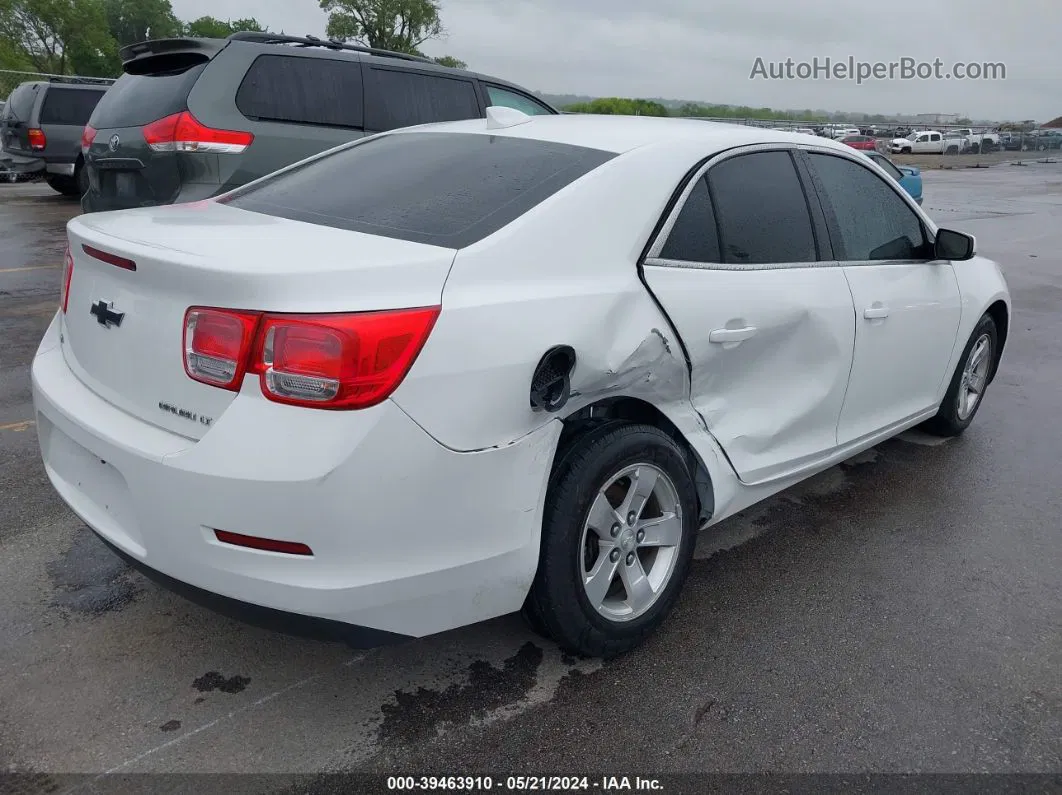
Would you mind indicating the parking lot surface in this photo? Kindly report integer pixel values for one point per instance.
(900, 612)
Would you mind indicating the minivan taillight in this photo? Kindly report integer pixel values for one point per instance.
(68, 273)
(183, 132)
(88, 135)
(37, 140)
(333, 361)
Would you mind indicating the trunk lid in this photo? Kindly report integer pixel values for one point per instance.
(208, 254)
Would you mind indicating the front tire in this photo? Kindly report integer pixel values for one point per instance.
(617, 540)
(968, 384)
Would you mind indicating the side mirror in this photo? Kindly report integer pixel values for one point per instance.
(955, 246)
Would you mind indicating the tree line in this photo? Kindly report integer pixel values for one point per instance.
(84, 37)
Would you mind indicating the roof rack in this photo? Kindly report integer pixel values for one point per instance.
(77, 79)
(313, 41)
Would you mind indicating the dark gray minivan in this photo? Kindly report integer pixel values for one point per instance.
(41, 127)
(194, 118)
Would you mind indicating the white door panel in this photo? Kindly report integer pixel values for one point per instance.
(907, 318)
(771, 350)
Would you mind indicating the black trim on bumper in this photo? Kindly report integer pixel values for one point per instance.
(266, 617)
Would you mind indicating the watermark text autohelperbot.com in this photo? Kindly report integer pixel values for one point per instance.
(862, 71)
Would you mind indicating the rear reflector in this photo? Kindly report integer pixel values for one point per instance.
(68, 272)
(265, 544)
(88, 135)
(216, 344)
(183, 132)
(335, 361)
(110, 259)
(37, 140)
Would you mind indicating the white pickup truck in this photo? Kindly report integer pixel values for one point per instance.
(927, 142)
(977, 142)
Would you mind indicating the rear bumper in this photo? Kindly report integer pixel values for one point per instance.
(20, 164)
(61, 169)
(409, 538)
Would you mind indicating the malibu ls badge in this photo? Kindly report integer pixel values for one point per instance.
(105, 315)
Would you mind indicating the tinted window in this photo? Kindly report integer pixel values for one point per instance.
(500, 97)
(302, 91)
(693, 237)
(875, 223)
(763, 214)
(890, 169)
(397, 98)
(136, 100)
(441, 189)
(20, 103)
(69, 106)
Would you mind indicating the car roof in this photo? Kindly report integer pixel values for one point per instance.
(621, 134)
(63, 84)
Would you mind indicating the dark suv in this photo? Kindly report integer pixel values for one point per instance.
(194, 118)
(41, 127)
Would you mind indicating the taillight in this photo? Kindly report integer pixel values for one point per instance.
(68, 272)
(183, 132)
(88, 135)
(37, 139)
(216, 342)
(335, 361)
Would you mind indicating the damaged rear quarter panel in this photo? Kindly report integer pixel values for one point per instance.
(564, 274)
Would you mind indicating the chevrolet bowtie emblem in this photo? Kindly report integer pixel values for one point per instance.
(106, 316)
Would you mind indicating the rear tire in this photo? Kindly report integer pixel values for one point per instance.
(64, 185)
(641, 558)
(969, 382)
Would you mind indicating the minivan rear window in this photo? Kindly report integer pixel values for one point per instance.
(442, 189)
(136, 100)
(71, 106)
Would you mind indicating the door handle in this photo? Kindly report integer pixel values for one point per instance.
(876, 312)
(724, 335)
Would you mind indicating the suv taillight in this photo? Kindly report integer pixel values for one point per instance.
(88, 135)
(37, 140)
(183, 132)
(68, 272)
(334, 361)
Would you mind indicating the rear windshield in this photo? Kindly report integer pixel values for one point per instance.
(72, 106)
(442, 189)
(20, 103)
(136, 100)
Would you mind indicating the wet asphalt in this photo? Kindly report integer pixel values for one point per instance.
(899, 613)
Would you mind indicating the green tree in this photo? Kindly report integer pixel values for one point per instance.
(619, 106)
(398, 25)
(132, 21)
(453, 63)
(211, 28)
(57, 36)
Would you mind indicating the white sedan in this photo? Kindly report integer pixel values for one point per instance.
(451, 372)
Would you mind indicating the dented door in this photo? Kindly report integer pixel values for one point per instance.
(765, 315)
(770, 351)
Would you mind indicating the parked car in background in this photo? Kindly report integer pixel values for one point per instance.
(864, 142)
(41, 128)
(926, 142)
(329, 398)
(194, 118)
(909, 177)
(843, 132)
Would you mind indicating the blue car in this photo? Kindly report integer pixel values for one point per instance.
(909, 177)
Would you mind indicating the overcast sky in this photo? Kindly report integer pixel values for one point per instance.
(701, 50)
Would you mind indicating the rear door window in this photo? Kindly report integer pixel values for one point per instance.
(71, 106)
(442, 189)
(401, 98)
(303, 90)
(762, 210)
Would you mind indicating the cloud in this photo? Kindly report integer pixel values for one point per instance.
(691, 49)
